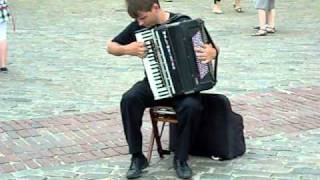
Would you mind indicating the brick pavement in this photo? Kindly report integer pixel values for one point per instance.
(60, 140)
(285, 156)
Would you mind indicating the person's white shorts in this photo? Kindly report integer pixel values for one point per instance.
(3, 31)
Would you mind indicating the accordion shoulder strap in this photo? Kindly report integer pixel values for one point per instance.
(209, 38)
(178, 17)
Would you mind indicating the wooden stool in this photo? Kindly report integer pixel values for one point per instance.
(164, 114)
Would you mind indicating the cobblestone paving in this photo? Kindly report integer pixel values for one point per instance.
(283, 156)
(59, 116)
(58, 63)
(62, 140)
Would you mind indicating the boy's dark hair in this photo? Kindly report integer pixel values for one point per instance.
(133, 6)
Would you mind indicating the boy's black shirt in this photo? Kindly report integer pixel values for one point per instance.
(127, 36)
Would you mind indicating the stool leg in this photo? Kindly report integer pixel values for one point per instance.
(150, 149)
(162, 128)
(164, 151)
(157, 137)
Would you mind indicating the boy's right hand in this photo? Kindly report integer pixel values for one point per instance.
(136, 49)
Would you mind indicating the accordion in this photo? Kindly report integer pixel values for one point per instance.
(171, 65)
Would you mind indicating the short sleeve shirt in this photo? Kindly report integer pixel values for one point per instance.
(127, 36)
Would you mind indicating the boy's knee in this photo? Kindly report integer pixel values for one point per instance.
(127, 98)
(191, 104)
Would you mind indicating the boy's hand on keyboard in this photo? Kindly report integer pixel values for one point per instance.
(136, 49)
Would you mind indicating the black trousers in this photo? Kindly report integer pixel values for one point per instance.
(140, 97)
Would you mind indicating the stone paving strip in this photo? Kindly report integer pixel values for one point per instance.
(62, 140)
(284, 156)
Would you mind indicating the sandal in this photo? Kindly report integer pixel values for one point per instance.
(237, 8)
(217, 12)
(260, 32)
(256, 27)
(270, 29)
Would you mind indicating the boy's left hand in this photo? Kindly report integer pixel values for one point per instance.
(206, 53)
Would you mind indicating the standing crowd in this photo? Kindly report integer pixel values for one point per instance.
(266, 14)
(266, 17)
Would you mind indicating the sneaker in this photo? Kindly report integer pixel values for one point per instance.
(136, 167)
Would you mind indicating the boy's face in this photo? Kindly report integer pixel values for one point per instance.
(148, 18)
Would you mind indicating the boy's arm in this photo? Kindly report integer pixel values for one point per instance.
(132, 49)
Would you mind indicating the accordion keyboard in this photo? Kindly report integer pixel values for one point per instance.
(153, 65)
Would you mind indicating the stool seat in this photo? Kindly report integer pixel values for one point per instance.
(163, 110)
(165, 114)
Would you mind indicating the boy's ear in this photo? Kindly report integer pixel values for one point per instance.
(155, 6)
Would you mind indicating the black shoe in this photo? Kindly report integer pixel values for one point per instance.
(4, 69)
(136, 167)
(182, 169)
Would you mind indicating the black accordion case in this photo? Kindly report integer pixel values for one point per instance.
(220, 132)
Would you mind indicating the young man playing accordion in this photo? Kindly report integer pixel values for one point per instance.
(147, 13)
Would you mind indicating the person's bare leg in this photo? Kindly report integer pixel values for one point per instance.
(271, 18)
(217, 8)
(262, 18)
(3, 53)
(270, 24)
(262, 23)
(237, 6)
